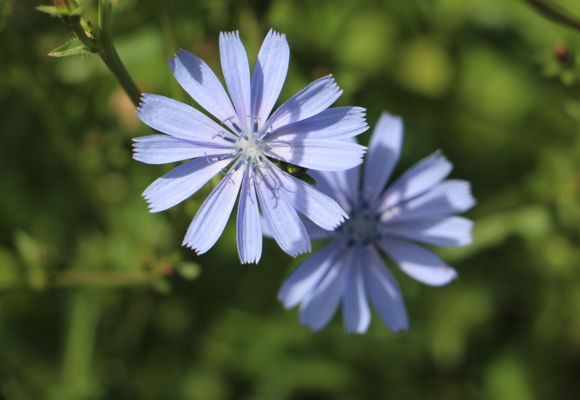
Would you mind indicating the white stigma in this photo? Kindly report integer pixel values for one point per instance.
(250, 148)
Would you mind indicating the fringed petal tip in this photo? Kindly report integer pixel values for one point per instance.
(458, 193)
(191, 247)
(330, 81)
(439, 157)
(342, 219)
(233, 34)
(253, 260)
(469, 199)
(299, 252)
(142, 98)
(150, 206)
(276, 34)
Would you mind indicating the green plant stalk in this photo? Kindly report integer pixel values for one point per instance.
(109, 54)
(555, 13)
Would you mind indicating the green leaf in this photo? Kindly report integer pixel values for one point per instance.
(73, 47)
(58, 11)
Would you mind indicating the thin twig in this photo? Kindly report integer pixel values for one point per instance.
(555, 13)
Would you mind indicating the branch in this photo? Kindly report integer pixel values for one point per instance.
(555, 13)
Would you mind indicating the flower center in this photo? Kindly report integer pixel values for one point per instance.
(250, 148)
(361, 228)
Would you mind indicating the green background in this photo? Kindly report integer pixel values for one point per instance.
(99, 301)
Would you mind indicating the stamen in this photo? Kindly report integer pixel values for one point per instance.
(218, 158)
(267, 133)
(229, 122)
(236, 127)
(237, 165)
(255, 121)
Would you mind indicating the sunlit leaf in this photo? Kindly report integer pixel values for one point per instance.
(73, 47)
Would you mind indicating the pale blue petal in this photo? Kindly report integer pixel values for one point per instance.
(333, 123)
(384, 292)
(311, 100)
(181, 182)
(249, 230)
(445, 232)
(318, 154)
(319, 307)
(355, 311)
(343, 186)
(266, 230)
(269, 74)
(282, 220)
(315, 205)
(449, 197)
(213, 215)
(306, 277)
(383, 154)
(199, 81)
(418, 179)
(418, 262)
(180, 120)
(162, 149)
(236, 69)
(315, 232)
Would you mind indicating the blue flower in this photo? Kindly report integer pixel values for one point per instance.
(303, 131)
(417, 207)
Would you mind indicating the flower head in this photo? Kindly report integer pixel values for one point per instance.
(243, 142)
(418, 207)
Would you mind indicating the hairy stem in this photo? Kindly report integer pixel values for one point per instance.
(555, 13)
(110, 56)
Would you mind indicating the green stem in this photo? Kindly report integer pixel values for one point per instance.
(555, 13)
(110, 56)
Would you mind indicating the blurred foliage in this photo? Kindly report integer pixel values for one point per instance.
(97, 298)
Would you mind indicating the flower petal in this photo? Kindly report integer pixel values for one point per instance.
(417, 180)
(356, 312)
(315, 205)
(418, 262)
(269, 74)
(445, 232)
(211, 219)
(340, 185)
(317, 309)
(308, 274)
(318, 154)
(333, 123)
(236, 69)
(181, 182)
(162, 149)
(282, 220)
(180, 120)
(311, 100)
(199, 81)
(447, 198)
(315, 232)
(249, 224)
(383, 155)
(385, 293)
